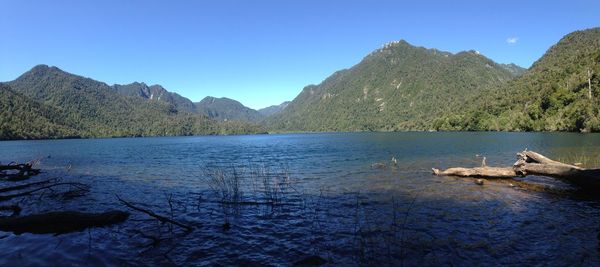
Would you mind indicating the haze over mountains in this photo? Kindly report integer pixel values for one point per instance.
(395, 88)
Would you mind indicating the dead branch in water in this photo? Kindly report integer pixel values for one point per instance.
(17, 172)
(23, 186)
(162, 219)
(79, 186)
(531, 163)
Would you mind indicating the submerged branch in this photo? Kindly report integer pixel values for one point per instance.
(80, 186)
(23, 171)
(162, 219)
(23, 186)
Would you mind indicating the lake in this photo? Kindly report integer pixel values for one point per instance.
(332, 200)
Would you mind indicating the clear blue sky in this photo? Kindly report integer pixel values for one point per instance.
(264, 52)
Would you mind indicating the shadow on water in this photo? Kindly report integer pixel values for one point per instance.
(444, 221)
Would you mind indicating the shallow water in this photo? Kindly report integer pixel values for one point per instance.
(337, 206)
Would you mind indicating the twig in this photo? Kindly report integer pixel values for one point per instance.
(23, 186)
(9, 197)
(154, 215)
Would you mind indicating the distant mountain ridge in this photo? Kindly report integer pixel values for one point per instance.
(219, 109)
(274, 109)
(226, 109)
(157, 93)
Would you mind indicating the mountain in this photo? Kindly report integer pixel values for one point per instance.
(274, 109)
(23, 118)
(560, 92)
(219, 109)
(397, 87)
(225, 109)
(156, 93)
(514, 69)
(95, 109)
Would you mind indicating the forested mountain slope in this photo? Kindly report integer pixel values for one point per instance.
(398, 87)
(23, 118)
(560, 92)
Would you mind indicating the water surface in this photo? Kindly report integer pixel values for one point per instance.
(338, 206)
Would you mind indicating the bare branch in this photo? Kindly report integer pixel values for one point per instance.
(162, 219)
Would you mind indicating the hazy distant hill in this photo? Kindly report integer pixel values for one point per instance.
(225, 109)
(274, 109)
(94, 109)
(553, 95)
(220, 109)
(397, 87)
(156, 93)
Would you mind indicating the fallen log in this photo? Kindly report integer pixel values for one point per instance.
(478, 172)
(531, 163)
(60, 222)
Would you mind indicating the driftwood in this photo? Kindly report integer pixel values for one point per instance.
(60, 222)
(532, 163)
(17, 172)
(160, 218)
(479, 172)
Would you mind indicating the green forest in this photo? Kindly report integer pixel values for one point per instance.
(560, 92)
